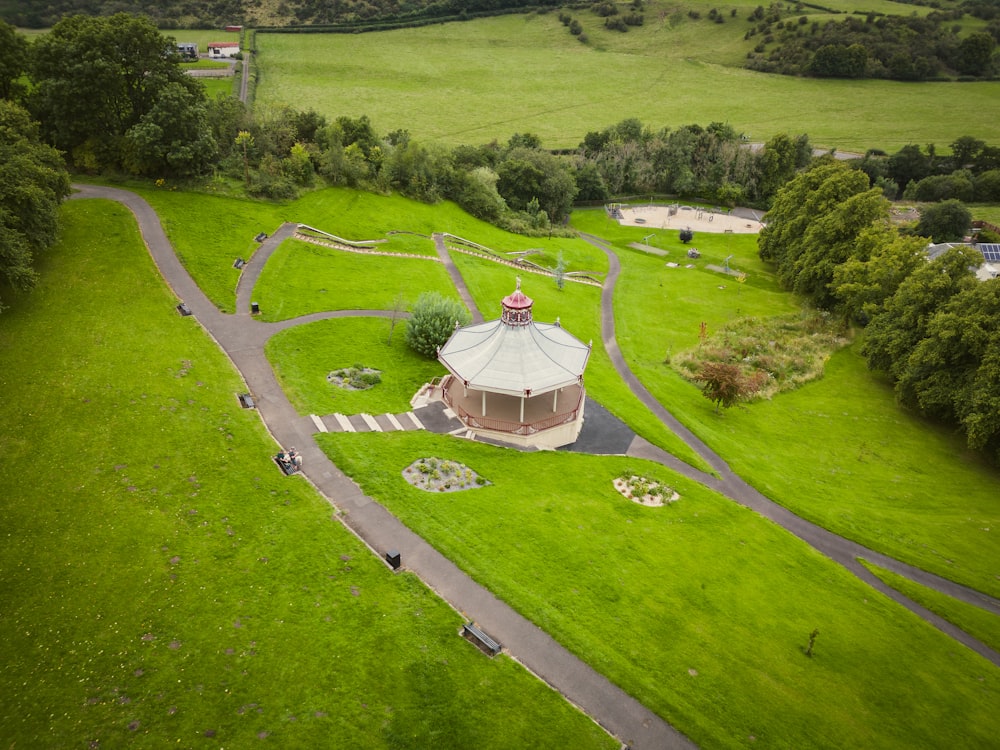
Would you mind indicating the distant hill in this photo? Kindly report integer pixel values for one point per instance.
(195, 14)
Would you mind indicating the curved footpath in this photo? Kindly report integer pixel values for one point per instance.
(243, 339)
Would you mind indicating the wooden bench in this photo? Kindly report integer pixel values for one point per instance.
(183, 309)
(476, 636)
(246, 401)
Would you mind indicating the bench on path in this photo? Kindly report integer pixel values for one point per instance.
(246, 401)
(477, 637)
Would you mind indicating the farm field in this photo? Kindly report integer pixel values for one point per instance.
(473, 82)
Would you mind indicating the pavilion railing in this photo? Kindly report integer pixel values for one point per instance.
(502, 425)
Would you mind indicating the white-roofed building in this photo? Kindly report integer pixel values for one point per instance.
(515, 378)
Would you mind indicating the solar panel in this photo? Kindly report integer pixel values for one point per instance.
(991, 252)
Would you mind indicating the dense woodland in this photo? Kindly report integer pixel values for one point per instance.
(108, 96)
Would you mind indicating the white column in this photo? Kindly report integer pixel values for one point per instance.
(484, 403)
(522, 408)
(555, 400)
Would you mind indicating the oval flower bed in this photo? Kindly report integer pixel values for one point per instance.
(438, 475)
(644, 491)
(357, 378)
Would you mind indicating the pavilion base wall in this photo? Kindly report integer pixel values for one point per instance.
(550, 439)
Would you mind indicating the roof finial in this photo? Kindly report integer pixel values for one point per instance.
(517, 288)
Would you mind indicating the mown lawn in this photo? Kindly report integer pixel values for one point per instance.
(701, 608)
(974, 620)
(873, 473)
(473, 82)
(164, 585)
(303, 356)
(302, 277)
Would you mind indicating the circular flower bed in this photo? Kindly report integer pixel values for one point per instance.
(437, 475)
(644, 491)
(357, 378)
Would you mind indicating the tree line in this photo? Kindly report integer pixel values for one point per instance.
(201, 14)
(931, 325)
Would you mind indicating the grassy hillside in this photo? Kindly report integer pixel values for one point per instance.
(477, 81)
(163, 584)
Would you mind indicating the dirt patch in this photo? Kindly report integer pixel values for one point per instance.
(437, 475)
(688, 217)
(645, 491)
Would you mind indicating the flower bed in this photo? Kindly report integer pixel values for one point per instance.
(357, 378)
(437, 475)
(645, 491)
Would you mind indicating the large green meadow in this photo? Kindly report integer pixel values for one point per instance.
(163, 584)
(701, 608)
(472, 82)
(153, 472)
(873, 472)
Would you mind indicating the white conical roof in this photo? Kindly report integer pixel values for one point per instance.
(514, 355)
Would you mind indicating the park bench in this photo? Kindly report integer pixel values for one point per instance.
(183, 309)
(477, 637)
(246, 401)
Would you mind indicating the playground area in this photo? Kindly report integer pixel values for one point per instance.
(687, 217)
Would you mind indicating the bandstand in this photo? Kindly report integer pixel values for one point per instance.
(516, 380)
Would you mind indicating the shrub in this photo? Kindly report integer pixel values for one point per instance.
(432, 322)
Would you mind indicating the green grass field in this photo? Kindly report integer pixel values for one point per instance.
(470, 83)
(303, 356)
(701, 609)
(165, 585)
(179, 493)
(877, 475)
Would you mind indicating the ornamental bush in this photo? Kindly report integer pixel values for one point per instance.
(432, 322)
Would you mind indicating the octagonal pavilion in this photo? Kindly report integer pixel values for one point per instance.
(515, 379)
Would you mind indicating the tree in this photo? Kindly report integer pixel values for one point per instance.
(725, 385)
(953, 373)
(814, 224)
(33, 182)
(528, 174)
(781, 158)
(974, 55)
(13, 57)
(477, 194)
(96, 78)
(909, 163)
(174, 138)
(947, 221)
(432, 322)
(883, 259)
(245, 141)
(899, 327)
